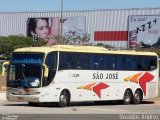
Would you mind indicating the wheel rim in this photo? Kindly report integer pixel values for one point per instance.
(137, 97)
(63, 99)
(127, 97)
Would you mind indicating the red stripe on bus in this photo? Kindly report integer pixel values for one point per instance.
(110, 35)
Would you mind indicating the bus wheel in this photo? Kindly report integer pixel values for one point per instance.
(63, 99)
(137, 98)
(127, 97)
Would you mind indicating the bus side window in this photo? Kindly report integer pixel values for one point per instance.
(127, 63)
(100, 61)
(153, 64)
(97, 61)
(91, 61)
(140, 63)
(106, 60)
(147, 63)
(78, 61)
(139, 67)
(111, 64)
(133, 63)
(85, 61)
(63, 61)
(119, 62)
(96, 64)
(70, 61)
(51, 63)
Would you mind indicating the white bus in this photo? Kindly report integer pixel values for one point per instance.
(66, 74)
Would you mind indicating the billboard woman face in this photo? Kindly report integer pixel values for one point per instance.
(42, 28)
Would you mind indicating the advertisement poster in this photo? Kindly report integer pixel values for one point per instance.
(74, 31)
(44, 28)
(144, 31)
(49, 29)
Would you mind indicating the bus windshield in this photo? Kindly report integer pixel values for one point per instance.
(32, 58)
(24, 75)
(27, 70)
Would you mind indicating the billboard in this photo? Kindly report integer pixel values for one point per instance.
(144, 31)
(43, 28)
(74, 29)
(49, 29)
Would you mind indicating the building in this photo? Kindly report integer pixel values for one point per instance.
(109, 27)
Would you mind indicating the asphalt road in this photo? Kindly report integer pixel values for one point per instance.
(80, 111)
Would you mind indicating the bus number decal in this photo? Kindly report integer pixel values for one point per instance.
(74, 75)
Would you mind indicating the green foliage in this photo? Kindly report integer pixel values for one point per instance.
(105, 46)
(72, 39)
(152, 49)
(10, 43)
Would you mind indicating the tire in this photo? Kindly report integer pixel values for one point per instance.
(63, 99)
(99, 102)
(127, 99)
(138, 96)
(33, 104)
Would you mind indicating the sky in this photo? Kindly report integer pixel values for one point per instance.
(69, 5)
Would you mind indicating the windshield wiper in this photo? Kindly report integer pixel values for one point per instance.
(23, 69)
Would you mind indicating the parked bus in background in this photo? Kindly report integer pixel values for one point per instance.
(65, 74)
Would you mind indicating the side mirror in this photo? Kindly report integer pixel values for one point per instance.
(5, 67)
(46, 71)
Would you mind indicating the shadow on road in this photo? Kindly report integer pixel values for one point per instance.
(97, 103)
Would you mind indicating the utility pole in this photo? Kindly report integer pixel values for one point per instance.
(62, 42)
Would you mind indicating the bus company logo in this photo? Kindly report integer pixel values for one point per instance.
(27, 90)
(141, 78)
(95, 87)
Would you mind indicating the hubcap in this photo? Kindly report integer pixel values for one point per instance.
(63, 99)
(137, 96)
(127, 97)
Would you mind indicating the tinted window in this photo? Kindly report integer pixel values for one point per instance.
(30, 58)
(94, 61)
(51, 60)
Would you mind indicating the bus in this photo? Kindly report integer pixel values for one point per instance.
(68, 73)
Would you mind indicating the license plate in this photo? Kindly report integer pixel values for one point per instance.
(20, 98)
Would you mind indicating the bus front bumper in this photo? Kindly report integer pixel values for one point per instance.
(23, 98)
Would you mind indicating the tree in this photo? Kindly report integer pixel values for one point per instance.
(10, 43)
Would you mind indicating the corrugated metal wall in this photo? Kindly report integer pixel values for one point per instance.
(96, 20)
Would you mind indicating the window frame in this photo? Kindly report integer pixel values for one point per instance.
(109, 61)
